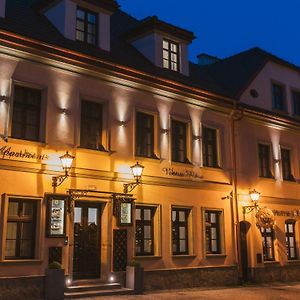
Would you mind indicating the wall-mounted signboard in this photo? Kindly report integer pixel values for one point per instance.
(56, 215)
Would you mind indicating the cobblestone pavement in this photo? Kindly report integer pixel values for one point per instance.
(263, 292)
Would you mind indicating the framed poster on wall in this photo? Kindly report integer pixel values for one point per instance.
(56, 215)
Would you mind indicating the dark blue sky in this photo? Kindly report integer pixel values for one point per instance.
(226, 27)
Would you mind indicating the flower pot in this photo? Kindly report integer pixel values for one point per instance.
(54, 284)
(135, 278)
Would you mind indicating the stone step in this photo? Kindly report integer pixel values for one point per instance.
(95, 293)
(82, 287)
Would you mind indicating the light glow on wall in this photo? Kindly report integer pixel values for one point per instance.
(164, 108)
(196, 114)
(275, 139)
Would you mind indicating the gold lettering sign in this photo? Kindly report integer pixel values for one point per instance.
(8, 152)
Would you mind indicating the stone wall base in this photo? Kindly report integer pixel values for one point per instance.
(190, 277)
(275, 273)
(22, 288)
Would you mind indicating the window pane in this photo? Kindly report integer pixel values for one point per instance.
(138, 214)
(10, 248)
(11, 231)
(80, 25)
(27, 209)
(92, 18)
(291, 227)
(147, 214)
(214, 246)
(80, 14)
(26, 248)
(79, 36)
(182, 232)
(92, 216)
(173, 215)
(77, 215)
(147, 232)
(181, 216)
(148, 246)
(13, 208)
(27, 231)
(182, 247)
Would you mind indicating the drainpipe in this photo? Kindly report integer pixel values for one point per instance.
(235, 116)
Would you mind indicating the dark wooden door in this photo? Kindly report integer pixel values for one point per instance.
(86, 260)
(244, 227)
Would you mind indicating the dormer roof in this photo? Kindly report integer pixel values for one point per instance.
(109, 5)
(152, 24)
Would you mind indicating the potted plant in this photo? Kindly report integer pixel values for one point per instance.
(135, 276)
(54, 282)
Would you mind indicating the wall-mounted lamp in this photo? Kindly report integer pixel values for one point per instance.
(66, 162)
(254, 196)
(3, 98)
(137, 171)
(196, 137)
(64, 111)
(121, 123)
(164, 131)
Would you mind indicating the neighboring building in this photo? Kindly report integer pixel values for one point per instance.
(85, 77)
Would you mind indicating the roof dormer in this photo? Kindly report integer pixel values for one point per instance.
(87, 21)
(165, 45)
(2, 8)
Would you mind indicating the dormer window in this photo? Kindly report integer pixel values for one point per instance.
(86, 26)
(170, 55)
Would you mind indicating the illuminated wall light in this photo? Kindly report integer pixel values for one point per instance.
(164, 131)
(3, 99)
(64, 111)
(121, 123)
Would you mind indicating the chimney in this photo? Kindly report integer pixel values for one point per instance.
(2, 8)
(206, 59)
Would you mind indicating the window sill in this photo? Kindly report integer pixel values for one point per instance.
(144, 158)
(271, 263)
(148, 257)
(20, 261)
(221, 255)
(95, 151)
(293, 262)
(267, 178)
(219, 169)
(182, 164)
(26, 142)
(183, 256)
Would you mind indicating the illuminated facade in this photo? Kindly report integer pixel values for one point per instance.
(111, 101)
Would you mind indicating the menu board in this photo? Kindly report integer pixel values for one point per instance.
(125, 214)
(56, 216)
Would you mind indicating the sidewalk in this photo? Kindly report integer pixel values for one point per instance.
(276, 291)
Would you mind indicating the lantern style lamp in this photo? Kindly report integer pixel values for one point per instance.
(254, 196)
(137, 171)
(66, 162)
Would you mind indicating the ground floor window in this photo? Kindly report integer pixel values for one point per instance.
(144, 230)
(290, 239)
(180, 239)
(21, 228)
(268, 243)
(212, 231)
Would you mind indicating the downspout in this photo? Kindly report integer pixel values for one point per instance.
(235, 115)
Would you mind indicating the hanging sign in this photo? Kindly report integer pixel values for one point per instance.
(265, 218)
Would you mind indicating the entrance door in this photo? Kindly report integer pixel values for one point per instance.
(244, 227)
(86, 260)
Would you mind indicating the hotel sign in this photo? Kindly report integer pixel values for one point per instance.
(181, 173)
(8, 152)
(287, 213)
